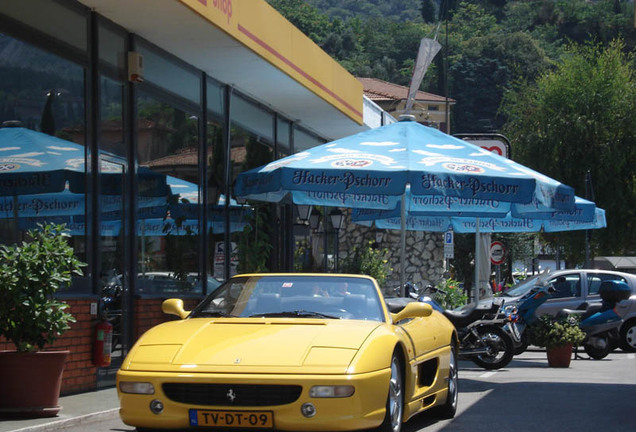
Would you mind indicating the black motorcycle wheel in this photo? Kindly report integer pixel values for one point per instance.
(597, 353)
(522, 346)
(499, 344)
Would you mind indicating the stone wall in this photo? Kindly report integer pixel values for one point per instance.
(424, 252)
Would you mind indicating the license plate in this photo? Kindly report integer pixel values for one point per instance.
(232, 419)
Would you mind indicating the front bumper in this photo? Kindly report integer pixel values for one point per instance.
(363, 410)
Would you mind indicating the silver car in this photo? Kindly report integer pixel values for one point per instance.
(575, 286)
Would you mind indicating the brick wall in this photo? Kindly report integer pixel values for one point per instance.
(80, 375)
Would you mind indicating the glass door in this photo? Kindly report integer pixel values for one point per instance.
(114, 304)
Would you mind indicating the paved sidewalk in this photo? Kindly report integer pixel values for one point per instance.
(83, 408)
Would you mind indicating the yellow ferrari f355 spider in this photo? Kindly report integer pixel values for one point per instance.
(292, 352)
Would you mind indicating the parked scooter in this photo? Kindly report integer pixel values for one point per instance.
(482, 338)
(523, 314)
(602, 322)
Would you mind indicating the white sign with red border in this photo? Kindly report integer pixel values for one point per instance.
(497, 252)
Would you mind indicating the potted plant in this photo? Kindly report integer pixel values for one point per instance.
(31, 318)
(558, 336)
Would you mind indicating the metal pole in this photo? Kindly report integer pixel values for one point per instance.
(403, 245)
(477, 261)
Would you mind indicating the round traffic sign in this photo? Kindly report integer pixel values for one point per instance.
(497, 252)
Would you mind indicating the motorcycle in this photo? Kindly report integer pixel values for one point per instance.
(410, 291)
(482, 338)
(601, 323)
(523, 314)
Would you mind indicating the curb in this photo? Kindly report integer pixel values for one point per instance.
(71, 422)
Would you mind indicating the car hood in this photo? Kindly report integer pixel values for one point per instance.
(250, 345)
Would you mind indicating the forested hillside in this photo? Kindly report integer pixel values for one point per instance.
(556, 76)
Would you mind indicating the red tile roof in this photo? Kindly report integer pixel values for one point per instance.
(378, 90)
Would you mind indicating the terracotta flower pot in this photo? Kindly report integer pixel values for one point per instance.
(560, 356)
(31, 383)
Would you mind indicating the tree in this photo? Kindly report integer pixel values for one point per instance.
(429, 11)
(580, 117)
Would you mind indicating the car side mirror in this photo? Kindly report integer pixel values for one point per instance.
(413, 310)
(174, 307)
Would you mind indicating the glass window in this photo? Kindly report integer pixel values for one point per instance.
(216, 185)
(303, 140)
(248, 150)
(169, 74)
(168, 198)
(253, 119)
(111, 128)
(46, 16)
(594, 281)
(283, 130)
(568, 285)
(215, 95)
(112, 47)
(43, 176)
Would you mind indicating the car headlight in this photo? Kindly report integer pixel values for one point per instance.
(341, 391)
(136, 387)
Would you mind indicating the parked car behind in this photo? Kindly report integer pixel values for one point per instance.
(574, 287)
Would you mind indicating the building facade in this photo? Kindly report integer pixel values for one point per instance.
(165, 102)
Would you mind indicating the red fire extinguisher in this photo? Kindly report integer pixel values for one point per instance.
(103, 345)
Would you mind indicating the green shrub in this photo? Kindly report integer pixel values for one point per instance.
(30, 273)
(551, 332)
(451, 296)
(369, 261)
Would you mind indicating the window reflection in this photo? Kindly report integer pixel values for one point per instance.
(250, 148)
(168, 215)
(43, 177)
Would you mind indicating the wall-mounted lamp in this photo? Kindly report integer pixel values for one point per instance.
(378, 236)
(314, 219)
(303, 212)
(337, 218)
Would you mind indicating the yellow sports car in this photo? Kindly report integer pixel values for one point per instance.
(293, 352)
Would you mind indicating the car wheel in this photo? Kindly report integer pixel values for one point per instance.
(394, 401)
(628, 336)
(448, 410)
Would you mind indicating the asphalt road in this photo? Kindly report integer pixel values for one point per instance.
(527, 395)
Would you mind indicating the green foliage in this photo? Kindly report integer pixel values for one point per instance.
(30, 274)
(369, 261)
(580, 117)
(453, 296)
(550, 332)
(254, 246)
(303, 259)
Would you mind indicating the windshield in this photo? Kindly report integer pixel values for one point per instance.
(328, 297)
(523, 287)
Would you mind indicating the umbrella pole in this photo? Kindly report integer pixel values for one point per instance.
(477, 262)
(403, 245)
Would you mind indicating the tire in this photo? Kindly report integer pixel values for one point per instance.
(395, 400)
(500, 344)
(628, 336)
(598, 353)
(522, 346)
(448, 410)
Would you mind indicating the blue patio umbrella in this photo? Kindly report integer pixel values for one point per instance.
(33, 162)
(373, 170)
(36, 163)
(465, 224)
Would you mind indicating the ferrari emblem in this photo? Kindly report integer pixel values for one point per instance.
(231, 396)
